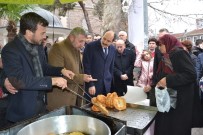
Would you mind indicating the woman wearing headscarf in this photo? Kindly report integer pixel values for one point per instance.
(175, 71)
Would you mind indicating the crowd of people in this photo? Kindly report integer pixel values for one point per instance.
(34, 80)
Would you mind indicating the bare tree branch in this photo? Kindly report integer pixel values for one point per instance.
(86, 16)
(93, 2)
(172, 14)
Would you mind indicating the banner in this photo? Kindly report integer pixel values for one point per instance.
(136, 32)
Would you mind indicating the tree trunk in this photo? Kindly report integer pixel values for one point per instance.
(86, 17)
(112, 15)
(12, 30)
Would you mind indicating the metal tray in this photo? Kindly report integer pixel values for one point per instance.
(138, 117)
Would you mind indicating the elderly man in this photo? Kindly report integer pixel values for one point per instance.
(124, 36)
(123, 68)
(67, 54)
(98, 61)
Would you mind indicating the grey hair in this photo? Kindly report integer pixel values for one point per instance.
(78, 31)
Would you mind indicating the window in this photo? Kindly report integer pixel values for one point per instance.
(188, 38)
(195, 38)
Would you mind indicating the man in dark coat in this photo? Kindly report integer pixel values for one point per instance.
(198, 48)
(3, 96)
(98, 61)
(123, 35)
(123, 68)
(27, 70)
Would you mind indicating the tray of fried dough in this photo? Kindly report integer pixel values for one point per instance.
(103, 103)
(136, 116)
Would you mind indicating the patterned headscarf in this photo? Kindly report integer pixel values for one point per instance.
(171, 43)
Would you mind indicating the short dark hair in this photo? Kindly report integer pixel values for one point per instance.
(87, 33)
(198, 41)
(115, 37)
(29, 21)
(163, 29)
(97, 35)
(153, 40)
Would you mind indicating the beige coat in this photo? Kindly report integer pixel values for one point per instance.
(63, 54)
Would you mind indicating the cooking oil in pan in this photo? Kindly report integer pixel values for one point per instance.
(69, 133)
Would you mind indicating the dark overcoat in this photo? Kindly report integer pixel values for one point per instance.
(124, 64)
(19, 69)
(179, 121)
(100, 67)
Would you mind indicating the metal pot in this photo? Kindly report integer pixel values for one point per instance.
(66, 124)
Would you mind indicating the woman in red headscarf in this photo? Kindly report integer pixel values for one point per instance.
(176, 71)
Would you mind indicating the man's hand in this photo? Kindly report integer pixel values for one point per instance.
(124, 77)
(9, 87)
(60, 82)
(67, 73)
(88, 78)
(92, 90)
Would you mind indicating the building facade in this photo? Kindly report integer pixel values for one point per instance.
(191, 35)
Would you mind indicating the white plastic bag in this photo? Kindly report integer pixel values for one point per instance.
(173, 97)
(162, 99)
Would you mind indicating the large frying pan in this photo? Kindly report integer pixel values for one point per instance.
(66, 123)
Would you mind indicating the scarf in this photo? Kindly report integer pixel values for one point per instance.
(165, 65)
(33, 51)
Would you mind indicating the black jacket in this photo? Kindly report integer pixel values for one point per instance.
(196, 50)
(124, 64)
(130, 46)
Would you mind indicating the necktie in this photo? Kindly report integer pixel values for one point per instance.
(105, 52)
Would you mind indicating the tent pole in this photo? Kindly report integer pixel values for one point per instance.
(53, 23)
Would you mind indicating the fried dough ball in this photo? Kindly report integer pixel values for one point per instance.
(94, 99)
(99, 105)
(109, 99)
(101, 99)
(115, 94)
(95, 108)
(119, 103)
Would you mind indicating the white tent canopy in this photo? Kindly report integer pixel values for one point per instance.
(53, 20)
